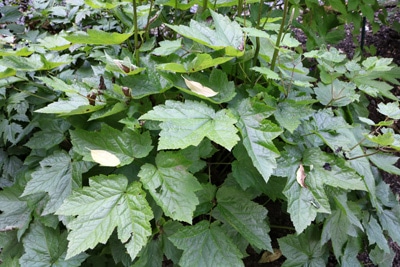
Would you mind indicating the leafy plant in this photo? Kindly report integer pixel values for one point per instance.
(135, 132)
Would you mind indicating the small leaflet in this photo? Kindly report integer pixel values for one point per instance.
(198, 88)
(105, 158)
(301, 176)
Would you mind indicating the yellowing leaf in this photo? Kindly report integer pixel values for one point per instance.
(200, 89)
(270, 257)
(105, 158)
(301, 175)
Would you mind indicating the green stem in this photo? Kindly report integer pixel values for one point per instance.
(147, 30)
(136, 34)
(278, 39)
(282, 227)
(240, 8)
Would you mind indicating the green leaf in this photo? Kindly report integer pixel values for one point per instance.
(342, 223)
(108, 111)
(302, 206)
(390, 110)
(96, 37)
(55, 42)
(304, 249)
(338, 175)
(107, 202)
(151, 255)
(382, 258)
(148, 83)
(23, 52)
(289, 114)
(375, 233)
(170, 251)
(16, 212)
(76, 103)
(167, 47)
(171, 185)
(200, 62)
(47, 247)
(390, 221)
(351, 252)
(244, 215)
(206, 198)
(385, 162)
(257, 134)
(185, 124)
(206, 245)
(336, 94)
(57, 176)
(108, 4)
(30, 63)
(11, 248)
(384, 139)
(269, 74)
(125, 145)
(244, 172)
(227, 34)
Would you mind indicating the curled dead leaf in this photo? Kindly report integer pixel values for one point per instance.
(301, 176)
(270, 257)
(123, 67)
(200, 89)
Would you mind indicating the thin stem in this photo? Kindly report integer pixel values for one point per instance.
(278, 39)
(282, 227)
(240, 7)
(148, 21)
(136, 34)
(365, 155)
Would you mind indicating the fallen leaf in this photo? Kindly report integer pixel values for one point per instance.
(105, 158)
(200, 89)
(301, 176)
(270, 257)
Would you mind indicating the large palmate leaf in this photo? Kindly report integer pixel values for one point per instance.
(336, 94)
(107, 202)
(206, 245)
(258, 134)
(125, 145)
(57, 176)
(244, 215)
(289, 113)
(340, 224)
(185, 124)
(46, 246)
(171, 185)
(227, 34)
(304, 249)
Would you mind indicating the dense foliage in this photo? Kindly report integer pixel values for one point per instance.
(132, 133)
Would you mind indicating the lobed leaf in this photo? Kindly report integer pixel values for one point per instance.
(185, 124)
(171, 185)
(206, 245)
(108, 202)
(244, 215)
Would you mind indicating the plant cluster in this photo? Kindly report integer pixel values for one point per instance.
(135, 132)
